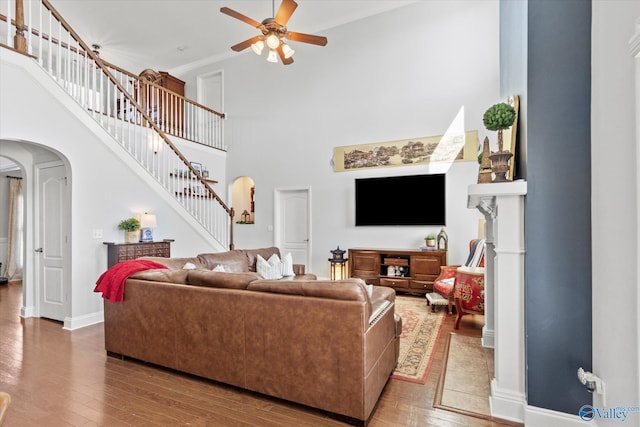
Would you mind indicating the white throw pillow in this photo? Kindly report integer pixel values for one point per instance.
(219, 268)
(287, 265)
(189, 266)
(370, 290)
(271, 269)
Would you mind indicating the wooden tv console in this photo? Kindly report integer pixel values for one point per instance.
(418, 268)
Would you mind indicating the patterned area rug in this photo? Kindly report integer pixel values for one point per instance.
(420, 331)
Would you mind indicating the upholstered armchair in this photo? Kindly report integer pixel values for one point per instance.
(468, 292)
(444, 283)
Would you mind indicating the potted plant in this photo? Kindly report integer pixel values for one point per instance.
(131, 227)
(430, 240)
(499, 117)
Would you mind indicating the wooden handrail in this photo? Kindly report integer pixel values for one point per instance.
(104, 66)
(161, 88)
(109, 65)
(98, 61)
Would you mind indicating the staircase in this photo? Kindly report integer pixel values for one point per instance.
(136, 112)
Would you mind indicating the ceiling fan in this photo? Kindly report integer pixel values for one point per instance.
(274, 33)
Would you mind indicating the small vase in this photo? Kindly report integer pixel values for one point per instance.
(131, 236)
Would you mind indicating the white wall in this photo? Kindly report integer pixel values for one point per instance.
(615, 246)
(402, 74)
(103, 191)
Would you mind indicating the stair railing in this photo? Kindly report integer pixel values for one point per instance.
(111, 96)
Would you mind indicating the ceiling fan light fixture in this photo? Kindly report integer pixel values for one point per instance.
(273, 41)
(287, 51)
(272, 57)
(257, 47)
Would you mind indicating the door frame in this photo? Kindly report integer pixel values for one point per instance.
(37, 228)
(278, 194)
(200, 87)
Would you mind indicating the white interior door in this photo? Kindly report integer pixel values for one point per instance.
(52, 241)
(293, 224)
(210, 93)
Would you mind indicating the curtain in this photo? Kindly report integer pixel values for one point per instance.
(13, 271)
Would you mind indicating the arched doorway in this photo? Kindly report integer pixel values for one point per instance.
(11, 220)
(243, 191)
(46, 266)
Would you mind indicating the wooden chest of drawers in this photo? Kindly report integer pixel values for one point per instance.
(408, 270)
(118, 252)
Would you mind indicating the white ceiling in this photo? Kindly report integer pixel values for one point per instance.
(178, 35)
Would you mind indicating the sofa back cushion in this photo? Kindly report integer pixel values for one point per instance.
(165, 276)
(176, 263)
(252, 255)
(349, 289)
(215, 279)
(233, 261)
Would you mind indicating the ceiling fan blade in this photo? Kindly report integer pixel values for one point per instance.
(285, 61)
(306, 38)
(240, 16)
(245, 44)
(285, 11)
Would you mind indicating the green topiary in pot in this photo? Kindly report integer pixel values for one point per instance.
(499, 117)
(130, 227)
(130, 224)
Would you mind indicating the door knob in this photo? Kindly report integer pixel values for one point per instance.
(39, 250)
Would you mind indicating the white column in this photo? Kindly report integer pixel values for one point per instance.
(502, 204)
(488, 330)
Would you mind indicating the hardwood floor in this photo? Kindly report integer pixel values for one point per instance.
(64, 378)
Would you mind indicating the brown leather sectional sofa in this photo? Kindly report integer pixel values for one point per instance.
(327, 344)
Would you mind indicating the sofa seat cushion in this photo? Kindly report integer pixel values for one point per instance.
(165, 276)
(216, 279)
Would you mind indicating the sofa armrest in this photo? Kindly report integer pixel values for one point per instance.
(299, 269)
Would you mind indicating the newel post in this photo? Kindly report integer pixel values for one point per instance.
(19, 41)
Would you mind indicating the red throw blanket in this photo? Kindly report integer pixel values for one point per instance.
(111, 282)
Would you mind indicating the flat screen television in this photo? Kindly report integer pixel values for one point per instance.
(401, 200)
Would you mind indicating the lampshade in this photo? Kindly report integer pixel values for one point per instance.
(288, 52)
(273, 41)
(273, 56)
(148, 221)
(257, 47)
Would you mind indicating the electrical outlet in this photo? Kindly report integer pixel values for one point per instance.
(97, 233)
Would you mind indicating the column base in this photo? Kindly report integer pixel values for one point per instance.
(488, 337)
(506, 404)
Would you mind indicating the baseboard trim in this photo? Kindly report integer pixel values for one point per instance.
(72, 323)
(540, 417)
(507, 404)
(488, 337)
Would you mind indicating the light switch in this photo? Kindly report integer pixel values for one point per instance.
(97, 233)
